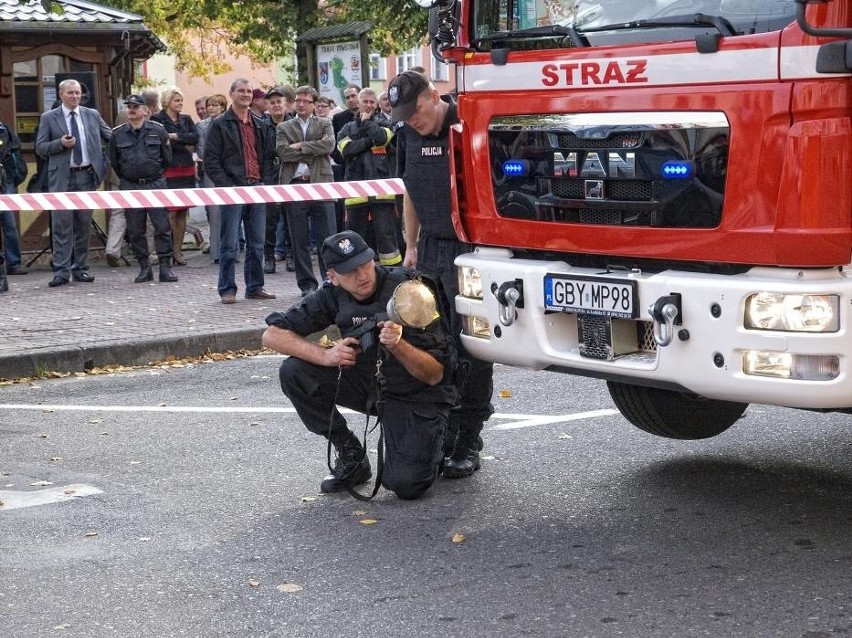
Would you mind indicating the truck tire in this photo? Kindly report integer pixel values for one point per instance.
(674, 415)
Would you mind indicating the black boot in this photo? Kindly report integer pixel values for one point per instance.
(166, 273)
(145, 273)
(464, 460)
(351, 468)
(4, 283)
(269, 265)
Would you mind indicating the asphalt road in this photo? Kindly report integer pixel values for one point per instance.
(208, 520)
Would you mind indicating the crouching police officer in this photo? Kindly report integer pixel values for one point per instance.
(139, 151)
(412, 391)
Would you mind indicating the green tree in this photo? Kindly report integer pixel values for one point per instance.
(198, 32)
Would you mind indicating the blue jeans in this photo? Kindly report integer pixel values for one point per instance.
(11, 244)
(253, 218)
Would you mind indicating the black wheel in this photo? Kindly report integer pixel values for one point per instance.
(674, 415)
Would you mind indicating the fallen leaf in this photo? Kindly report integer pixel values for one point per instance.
(41, 484)
(254, 583)
(562, 435)
(458, 538)
(2, 503)
(70, 492)
(55, 459)
(308, 499)
(368, 521)
(289, 588)
(103, 433)
(505, 394)
(42, 435)
(358, 513)
(62, 626)
(90, 534)
(144, 539)
(96, 421)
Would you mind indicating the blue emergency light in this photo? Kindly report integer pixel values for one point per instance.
(516, 168)
(677, 169)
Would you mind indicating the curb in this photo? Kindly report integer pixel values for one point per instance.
(140, 352)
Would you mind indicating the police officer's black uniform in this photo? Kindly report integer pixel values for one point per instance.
(415, 414)
(140, 157)
(423, 163)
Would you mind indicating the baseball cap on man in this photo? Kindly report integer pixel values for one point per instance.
(135, 99)
(258, 93)
(403, 92)
(346, 251)
(275, 90)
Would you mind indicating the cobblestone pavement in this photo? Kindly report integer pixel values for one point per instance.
(115, 321)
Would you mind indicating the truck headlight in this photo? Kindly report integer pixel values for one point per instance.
(792, 313)
(470, 283)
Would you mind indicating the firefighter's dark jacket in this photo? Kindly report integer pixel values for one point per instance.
(142, 155)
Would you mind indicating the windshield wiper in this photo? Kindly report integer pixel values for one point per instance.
(552, 30)
(692, 20)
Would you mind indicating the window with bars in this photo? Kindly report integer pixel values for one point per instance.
(408, 60)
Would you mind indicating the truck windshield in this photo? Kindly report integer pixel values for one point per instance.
(519, 24)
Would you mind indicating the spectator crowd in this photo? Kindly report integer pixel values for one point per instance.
(246, 137)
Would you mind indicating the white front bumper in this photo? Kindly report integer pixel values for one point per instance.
(540, 340)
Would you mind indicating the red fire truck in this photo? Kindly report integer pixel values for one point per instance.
(660, 196)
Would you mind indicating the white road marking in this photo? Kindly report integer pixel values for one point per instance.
(532, 421)
(516, 421)
(15, 499)
(234, 409)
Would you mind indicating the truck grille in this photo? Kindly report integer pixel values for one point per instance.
(606, 339)
(619, 140)
(608, 168)
(627, 190)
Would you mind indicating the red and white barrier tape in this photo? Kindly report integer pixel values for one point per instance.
(189, 197)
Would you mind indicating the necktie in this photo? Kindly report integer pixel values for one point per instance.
(77, 151)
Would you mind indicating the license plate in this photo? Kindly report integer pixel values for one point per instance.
(590, 296)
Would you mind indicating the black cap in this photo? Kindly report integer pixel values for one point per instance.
(135, 99)
(275, 90)
(346, 251)
(403, 92)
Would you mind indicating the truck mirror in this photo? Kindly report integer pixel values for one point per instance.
(810, 29)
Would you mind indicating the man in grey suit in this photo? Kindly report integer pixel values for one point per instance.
(304, 145)
(71, 138)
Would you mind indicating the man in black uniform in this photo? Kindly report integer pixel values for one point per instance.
(139, 152)
(431, 245)
(414, 388)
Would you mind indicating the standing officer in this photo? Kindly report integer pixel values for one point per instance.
(139, 152)
(431, 244)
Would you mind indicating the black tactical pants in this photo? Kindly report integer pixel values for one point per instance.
(414, 431)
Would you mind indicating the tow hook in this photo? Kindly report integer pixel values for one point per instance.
(666, 313)
(510, 296)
